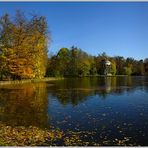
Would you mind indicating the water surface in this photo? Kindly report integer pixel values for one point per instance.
(104, 110)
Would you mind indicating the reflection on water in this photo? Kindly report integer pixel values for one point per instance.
(24, 105)
(77, 89)
(109, 107)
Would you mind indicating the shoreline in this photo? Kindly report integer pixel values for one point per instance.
(46, 79)
(30, 80)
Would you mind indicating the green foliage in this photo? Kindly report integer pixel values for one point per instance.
(120, 63)
(128, 70)
(93, 69)
(140, 68)
(113, 68)
(76, 62)
(70, 62)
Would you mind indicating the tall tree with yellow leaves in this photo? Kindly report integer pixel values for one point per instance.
(23, 46)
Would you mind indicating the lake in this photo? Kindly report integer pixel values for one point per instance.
(104, 110)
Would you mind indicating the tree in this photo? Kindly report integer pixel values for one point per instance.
(40, 39)
(71, 62)
(99, 62)
(73, 69)
(5, 44)
(146, 66)
(63, 57)
(120, 63)
(140, 68)
(53, 67)
(128, 70)
(93, 69)
(23, 45)
(113, 67)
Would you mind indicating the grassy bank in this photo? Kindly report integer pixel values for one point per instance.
(30, 80)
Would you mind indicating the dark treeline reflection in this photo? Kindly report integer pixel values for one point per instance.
(24, 105)
(75, 90)
(27, 104)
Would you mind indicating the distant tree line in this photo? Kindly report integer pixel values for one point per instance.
(23, 53)
(76, 62)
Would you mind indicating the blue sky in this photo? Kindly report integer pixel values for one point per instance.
(117, 28)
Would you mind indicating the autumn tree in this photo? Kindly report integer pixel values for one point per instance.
(23, 46)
